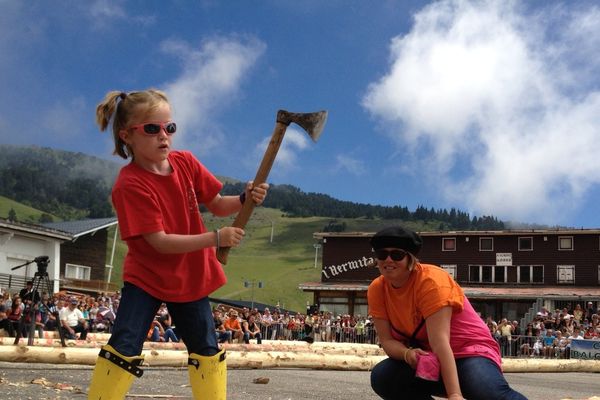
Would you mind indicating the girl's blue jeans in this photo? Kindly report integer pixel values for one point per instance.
(479, 377)
(194, 322)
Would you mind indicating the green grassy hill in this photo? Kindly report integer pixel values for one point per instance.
(281, 264)
(24, 213)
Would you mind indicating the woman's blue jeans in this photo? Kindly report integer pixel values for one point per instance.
(194, 322)
(479, 377)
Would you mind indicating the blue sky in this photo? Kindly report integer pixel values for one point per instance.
(491, 107)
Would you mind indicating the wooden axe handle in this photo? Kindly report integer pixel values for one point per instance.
(261, 177)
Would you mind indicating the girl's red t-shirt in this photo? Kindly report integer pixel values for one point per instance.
(147, 203)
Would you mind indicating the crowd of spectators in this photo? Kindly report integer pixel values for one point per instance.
(245, 324)
(549, 335)
(75, 315)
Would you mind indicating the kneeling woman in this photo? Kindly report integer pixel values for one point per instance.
(436, 342)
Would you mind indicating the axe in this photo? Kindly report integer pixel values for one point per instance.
(312, 123)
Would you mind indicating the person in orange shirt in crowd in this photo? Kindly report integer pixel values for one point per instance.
(437, 344)
(232, 324)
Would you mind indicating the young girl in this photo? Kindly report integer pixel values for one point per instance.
(171, 256)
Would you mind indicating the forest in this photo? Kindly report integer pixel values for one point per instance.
(72, 185)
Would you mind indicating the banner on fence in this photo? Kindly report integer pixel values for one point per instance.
(585, 349)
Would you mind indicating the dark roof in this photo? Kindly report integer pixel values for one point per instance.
(248, 304)
(337, 286)
(552, 292)
(34, 229)
(81, 227)
(507, 232)
(481, 292)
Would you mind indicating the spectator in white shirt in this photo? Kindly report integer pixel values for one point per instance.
(72, 321)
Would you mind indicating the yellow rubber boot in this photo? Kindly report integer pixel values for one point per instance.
(113, 374)
(208, 376)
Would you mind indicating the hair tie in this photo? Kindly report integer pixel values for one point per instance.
(122, 95)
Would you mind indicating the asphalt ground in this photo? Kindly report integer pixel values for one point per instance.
(47, 381)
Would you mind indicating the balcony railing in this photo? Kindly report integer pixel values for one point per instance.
(14, 283)
(87, 285)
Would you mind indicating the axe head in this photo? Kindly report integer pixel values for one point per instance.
(312, 123)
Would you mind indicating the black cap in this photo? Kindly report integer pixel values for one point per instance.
(398, 237)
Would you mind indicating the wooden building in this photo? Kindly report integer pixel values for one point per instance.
(76, 252)
(512, 273)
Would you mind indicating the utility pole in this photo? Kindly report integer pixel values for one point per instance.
(251, 284)
(317, 246)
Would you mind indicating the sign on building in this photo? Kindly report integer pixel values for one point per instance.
(504, 259)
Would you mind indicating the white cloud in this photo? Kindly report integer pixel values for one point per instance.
(349, 164)
(293, 142)
(501, 107)
(61, 120)
(105, 14)
(211, 78)
(106, 9)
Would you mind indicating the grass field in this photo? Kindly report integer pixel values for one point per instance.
(24, 213)
(277, 251)
(280, 264)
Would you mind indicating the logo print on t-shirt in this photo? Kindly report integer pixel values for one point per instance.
(192, 200)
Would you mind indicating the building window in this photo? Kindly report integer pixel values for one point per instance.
(361, 309)
(500, 274)
(565, 242)
(486, 274)
(473, 273)
(565, 273)
(335, 305)
(486, 244)
(526, 243)
(448, 244)
(73, 271)
(530, 274)
(451, 270)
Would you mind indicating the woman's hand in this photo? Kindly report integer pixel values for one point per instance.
(411, 356)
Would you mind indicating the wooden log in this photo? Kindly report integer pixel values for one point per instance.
(173, 358)
(342, 347)
(269, 359)
(280, 346)
(91, 344)
(98, 336)
(549, 365)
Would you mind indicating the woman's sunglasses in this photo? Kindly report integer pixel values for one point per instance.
(154, 128)
(395, 255)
